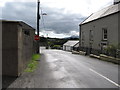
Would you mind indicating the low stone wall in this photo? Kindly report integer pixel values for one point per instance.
(75, 52)
(109, 58)
(94, 56)
(100, 57)
(82, 53)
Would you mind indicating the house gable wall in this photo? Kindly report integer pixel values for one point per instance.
(110, 22)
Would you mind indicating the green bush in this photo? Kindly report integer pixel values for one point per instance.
(35, 56)
(56, 47)
(112, 49)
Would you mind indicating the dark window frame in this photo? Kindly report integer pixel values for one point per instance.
(91, 33)
(83, 35)
(104, 33)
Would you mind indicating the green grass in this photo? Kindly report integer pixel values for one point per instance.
(35, 56)
(33, 63)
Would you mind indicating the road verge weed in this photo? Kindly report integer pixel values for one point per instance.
(32, 65)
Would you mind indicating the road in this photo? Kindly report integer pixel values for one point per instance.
(62, 69)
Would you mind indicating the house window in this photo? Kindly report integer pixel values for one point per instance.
(91, 35)
(82, 44)
(104, 30)
(26, 32)
(83, 36)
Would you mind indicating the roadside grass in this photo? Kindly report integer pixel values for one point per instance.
(32, 65)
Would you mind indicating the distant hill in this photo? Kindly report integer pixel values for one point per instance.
(56, 41)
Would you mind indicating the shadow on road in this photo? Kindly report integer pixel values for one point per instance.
(7, 81)
(17, 82)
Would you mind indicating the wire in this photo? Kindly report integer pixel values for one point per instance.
(42, 19)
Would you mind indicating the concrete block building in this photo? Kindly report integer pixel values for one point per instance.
(100, 29)
(17, 46)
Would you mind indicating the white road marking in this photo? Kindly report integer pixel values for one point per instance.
(105, 77)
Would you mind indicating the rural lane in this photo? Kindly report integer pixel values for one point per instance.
(62, 69)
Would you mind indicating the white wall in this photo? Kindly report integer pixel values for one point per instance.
(67, 48)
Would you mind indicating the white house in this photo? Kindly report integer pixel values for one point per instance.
(68, 46)
(101, 29)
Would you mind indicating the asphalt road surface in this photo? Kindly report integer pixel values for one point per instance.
(62, 69)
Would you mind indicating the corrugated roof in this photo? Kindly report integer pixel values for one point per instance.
(71, 42)
(102, 13)
(77, 45)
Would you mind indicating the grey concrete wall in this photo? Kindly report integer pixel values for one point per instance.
(9, 49)
(119, 27)
(35, 46)
(25, 47)
(17, 47)
(20, 50)
(110, 22)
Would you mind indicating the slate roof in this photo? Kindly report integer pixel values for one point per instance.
(71, 42)
(102, 13)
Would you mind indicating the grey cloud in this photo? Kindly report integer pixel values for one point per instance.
(56, 19)
(20, 11)
(60, 22)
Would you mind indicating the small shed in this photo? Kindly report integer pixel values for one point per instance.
(69, 45)
(17, 46)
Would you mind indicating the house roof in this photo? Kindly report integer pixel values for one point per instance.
(71, 42)
(102, 13)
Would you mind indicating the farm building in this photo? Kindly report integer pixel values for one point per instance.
(70, 45)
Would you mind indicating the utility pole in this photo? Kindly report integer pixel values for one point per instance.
(38, 18)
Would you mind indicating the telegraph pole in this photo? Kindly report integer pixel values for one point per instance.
(38, 18)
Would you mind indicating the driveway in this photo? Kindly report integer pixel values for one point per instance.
(61, 69)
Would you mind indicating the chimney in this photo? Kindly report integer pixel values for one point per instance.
(116, 1)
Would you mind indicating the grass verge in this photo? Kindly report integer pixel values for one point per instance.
(32, 65)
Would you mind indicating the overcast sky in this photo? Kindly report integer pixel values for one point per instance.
(63, 16)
